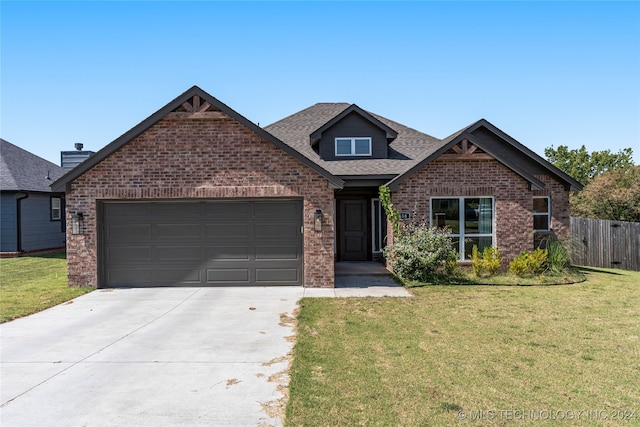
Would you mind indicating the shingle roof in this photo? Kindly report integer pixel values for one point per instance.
(21, 170)
(406, 150)
(409, 150)
(62, 184)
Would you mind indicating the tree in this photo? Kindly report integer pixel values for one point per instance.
(614, 195)
(584, 166)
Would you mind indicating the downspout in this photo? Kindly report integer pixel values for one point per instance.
(19, 221)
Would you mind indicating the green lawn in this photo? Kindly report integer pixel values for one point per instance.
(479, 355)
(31, 284)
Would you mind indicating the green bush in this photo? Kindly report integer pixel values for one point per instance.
(558, 256)
(486, 263)
(529, 263)
(419, 250)
(451, 266)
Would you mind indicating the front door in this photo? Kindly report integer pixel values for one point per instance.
(353, 230)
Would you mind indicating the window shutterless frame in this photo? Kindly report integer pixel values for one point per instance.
(541, 213)
(471, 220)
(377, 226)
(353, 146)
(55, 208)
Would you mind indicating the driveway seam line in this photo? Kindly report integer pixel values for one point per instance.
(101, 349)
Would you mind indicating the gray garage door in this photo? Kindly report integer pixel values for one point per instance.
(205, 243)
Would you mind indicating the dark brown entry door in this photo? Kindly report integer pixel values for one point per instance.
(353, 230)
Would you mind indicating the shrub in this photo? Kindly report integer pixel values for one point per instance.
(529, 263)
(451, 266)
(419, 251)
(486, 263)
(558, 258)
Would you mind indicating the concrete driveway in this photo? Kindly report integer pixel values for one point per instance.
(150, 357)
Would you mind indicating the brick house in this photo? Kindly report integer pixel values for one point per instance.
(197, 195)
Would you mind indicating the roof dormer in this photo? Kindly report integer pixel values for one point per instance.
(353, 134)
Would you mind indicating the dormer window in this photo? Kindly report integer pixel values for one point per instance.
(358, 146)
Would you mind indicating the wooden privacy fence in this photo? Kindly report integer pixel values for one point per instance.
(602, 243)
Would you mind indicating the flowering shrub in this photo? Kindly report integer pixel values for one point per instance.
(419, 250)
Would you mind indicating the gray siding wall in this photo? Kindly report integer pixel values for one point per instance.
(8, 224)
(38, 231)
(353, 125)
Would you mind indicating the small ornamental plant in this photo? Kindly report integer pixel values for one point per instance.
(487, 262)
(529, 263)
(558, 257)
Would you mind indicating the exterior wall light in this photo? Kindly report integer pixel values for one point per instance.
(317, 223)
(77, 223)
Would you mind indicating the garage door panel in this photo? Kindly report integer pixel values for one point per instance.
(178, 275)
(129, 254)
(228, 275)
(179, 210)
(228, 231)
(208, 242)
(182, 231)
(276, 275)
(129, 276)
(128, 209)
(128, 232)
(264, 253)
(283, 230)
(182, 253)
(218, 253)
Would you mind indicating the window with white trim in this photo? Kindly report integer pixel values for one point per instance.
(470, 220)
(377, 226)
(358, 146)
(56, 209)
(541, 213)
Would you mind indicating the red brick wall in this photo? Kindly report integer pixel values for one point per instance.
(513, 199)
(213, 158)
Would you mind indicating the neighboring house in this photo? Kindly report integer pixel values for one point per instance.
(31, 215)
(196, 195)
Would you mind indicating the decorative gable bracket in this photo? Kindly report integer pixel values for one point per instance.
(465, 150)
(196, 108)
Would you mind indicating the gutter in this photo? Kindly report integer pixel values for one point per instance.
(19, 221)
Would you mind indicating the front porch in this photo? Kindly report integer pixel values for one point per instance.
(360, 279)
(361, 225)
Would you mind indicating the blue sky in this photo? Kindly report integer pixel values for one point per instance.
(547, 73)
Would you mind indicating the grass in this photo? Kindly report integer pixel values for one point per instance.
(34, 283)
(451, 354)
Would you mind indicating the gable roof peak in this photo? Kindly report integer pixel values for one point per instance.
(524, 167)
(193, 103)
(391, 134)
